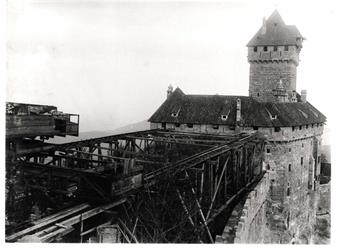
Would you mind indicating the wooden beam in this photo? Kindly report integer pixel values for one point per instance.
(49, 220)
(217, 188)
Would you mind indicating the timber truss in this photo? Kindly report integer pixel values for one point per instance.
(179, 186)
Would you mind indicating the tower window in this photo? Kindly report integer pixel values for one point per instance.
(265, 48)
(286, 48)
(215, 126)
(254, 49)
(275, 48)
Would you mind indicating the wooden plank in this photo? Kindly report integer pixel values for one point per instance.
(86, 215)
(47, 221)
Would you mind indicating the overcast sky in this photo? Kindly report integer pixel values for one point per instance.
(111, 62)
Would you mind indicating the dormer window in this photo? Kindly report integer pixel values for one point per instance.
(224, 117)
(275, 48)
(254, 49)
(286, 48)
(175, 114)
(273, 117)
(265, 48)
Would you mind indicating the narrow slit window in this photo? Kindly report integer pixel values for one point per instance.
(215, 126)
(289, 167)
(301, 160)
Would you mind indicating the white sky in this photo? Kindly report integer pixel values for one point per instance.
(111, 62)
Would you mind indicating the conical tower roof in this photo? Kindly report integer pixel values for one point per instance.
(275, 32)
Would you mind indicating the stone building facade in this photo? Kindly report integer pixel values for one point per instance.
(291, 125)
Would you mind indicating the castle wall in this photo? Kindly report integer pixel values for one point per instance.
(294, 170)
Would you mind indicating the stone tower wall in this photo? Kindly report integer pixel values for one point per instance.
(268, 67)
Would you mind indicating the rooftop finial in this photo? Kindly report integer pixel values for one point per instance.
(169, 90)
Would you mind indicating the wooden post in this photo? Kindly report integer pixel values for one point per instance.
(81, 227)
(184, 207)
(200, 211)
(216, 190)
(202, 181)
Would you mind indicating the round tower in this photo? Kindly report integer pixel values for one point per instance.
(273, 54)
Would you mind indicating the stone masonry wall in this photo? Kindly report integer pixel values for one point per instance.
(264, 77)
(268, 67)
(252, 224)
(294, 175)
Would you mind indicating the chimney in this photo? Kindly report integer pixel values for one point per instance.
(238, 115)
(303, 95)
(264, 26)
(169, 90)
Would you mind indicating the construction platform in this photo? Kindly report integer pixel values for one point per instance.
(203, 174)
(30, 120)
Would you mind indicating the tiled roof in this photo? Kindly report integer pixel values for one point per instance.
(276, 32)
(208, 109)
